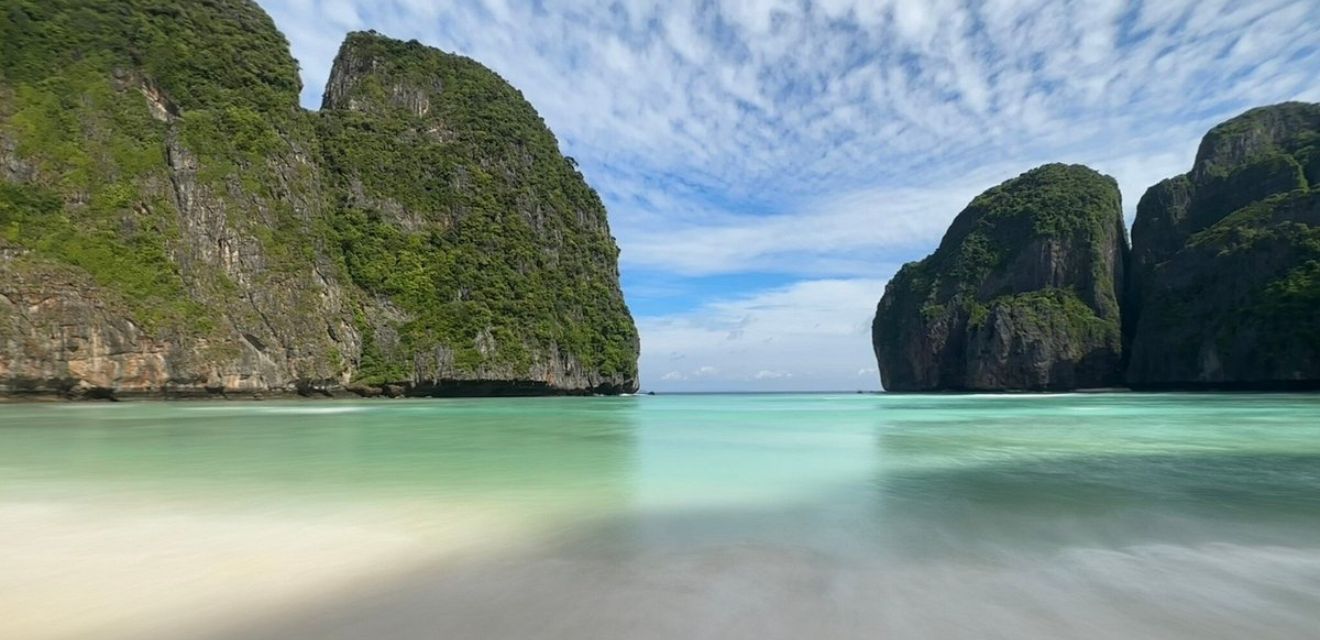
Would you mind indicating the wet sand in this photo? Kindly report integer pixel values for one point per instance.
(751, 590)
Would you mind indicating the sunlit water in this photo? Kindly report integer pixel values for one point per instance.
(720, 516)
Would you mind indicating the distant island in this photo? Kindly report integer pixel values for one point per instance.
(172, 223)
(1034, 288)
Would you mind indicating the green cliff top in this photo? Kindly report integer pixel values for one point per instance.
(202, 53)
(1052, 201)
(1287, 128)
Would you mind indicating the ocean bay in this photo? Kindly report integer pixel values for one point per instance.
(1071, 515)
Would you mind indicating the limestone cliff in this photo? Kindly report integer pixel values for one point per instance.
(171, 222)
(1022, 293)
(1226, 261)
(485, 255)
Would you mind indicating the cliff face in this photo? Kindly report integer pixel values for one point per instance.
(1226, 277)
(1020, 295)
(160, 205)
(485, 254)
(172, 223)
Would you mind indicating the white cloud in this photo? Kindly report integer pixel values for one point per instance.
(836, 235)
(808, 335)
(342, 13)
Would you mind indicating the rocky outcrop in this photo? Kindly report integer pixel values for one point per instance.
(1226, 261)
(458, 209)
(1022, 293)
(1222, 286)
(172, 223)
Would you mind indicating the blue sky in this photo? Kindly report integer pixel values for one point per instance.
(768, 164)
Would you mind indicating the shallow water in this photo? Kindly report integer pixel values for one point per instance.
(696, 516)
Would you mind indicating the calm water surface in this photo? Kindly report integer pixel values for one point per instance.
(731, 516)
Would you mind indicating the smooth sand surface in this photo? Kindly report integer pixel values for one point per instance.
(115, 570)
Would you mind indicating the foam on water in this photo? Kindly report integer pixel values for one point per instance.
(290, 410)
(309, 411)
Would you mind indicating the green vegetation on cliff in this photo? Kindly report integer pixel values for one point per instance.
(458, 207)
(1054, 203)
(203, 53)
(1224, 285)
(75, 78)
(158, 148)
(1022, 292)
(133, 263)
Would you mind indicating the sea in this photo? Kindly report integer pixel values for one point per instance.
(1107, 515)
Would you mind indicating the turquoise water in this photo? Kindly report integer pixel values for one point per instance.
(757, 516)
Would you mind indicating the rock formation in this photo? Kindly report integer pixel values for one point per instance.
(1022, 293)
(1225, 289)
(1222, 288)
(172, 223)
(457, 208)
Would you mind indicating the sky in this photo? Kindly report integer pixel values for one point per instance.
(769, 164)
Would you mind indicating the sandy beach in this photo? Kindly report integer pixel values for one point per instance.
(118, 570)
